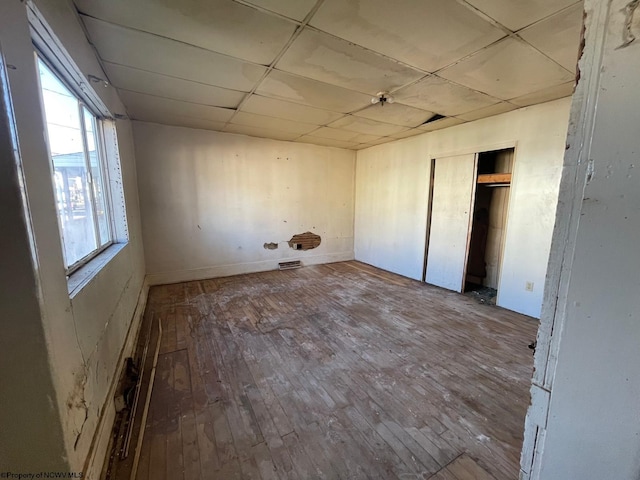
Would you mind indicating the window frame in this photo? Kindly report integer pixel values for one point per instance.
(100, 152)
(83, 85)
(102, 165)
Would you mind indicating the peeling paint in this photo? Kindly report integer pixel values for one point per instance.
(78, 408)
(627, 36)
(583, 30)
(590, 170)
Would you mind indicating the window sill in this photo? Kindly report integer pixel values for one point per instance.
(81, 277)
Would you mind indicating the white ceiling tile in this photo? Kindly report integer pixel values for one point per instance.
(362, 146)
(546, 95)
(140, 105)
(380, 141)
(296, 9)
(141, 81)
(496, 109)
(261, 121)
(507, 69)
(311, 92)
(516, 14)
(156, 54)
(178, 121)
(260, 132)
(364, 125)
(395, 113)
(428, 34)
(327, 142)
(366, 138)
(440, 124)
(288, 110)
(335, 134)
(337, 62)
(558, 36)
(344, 135)
(437, 95)
(221, 26)
(161, 56)
(409, 133)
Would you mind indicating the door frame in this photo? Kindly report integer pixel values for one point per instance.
(431, 180)
(472, 206)
(432, 176)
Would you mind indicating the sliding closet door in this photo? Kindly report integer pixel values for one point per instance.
(453, 187)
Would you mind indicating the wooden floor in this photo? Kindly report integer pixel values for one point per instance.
(339, 371)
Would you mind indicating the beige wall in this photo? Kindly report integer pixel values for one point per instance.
(83, 333)
(211, 200)
(392, 196)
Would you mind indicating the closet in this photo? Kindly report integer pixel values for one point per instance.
(469, 198)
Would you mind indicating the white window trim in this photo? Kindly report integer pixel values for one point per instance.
(63, 65)
(53, 53)
(72, 268)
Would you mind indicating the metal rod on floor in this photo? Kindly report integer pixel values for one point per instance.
(136, 459)
(132, 416)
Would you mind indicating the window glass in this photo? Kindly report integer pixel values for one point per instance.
(95, 165)
(78, 175)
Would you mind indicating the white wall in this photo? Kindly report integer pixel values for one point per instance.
(211, 200)
(84, 334)
(392, 195)
(588, 361)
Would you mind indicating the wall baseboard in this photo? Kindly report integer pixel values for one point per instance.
(240, 268)
(101, 439)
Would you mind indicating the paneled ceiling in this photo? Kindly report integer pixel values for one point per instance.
(305, 70)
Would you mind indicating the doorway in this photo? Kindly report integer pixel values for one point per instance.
(488, 224)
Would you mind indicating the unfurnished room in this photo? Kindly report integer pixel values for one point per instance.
(330, 239)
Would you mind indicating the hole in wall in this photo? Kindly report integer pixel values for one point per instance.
(305, 241)
(270, 246)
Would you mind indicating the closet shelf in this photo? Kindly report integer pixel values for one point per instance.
(503, 178)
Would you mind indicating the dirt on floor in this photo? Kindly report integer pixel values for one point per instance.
(484, 295)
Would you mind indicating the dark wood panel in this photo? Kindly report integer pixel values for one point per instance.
(334, 371)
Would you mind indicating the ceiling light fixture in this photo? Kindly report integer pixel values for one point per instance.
(382, 98)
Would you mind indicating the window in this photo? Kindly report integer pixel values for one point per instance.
(77, 153)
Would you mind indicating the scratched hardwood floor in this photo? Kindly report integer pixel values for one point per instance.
(338, 371)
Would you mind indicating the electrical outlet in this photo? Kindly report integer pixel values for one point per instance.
(529, 286)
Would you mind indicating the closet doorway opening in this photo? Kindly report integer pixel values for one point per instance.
(488, 224)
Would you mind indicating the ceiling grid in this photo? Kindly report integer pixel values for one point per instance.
(305, 70)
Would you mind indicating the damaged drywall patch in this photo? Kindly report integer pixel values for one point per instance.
(305, 241)
(270, 246)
